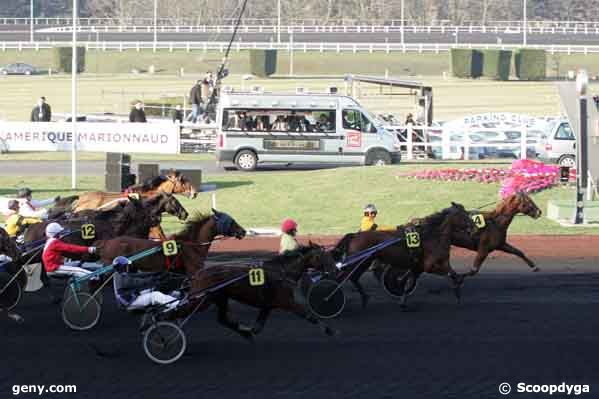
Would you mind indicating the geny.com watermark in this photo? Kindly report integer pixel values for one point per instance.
(522, 387)
(42, 389)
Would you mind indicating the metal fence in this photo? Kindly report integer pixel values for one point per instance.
(294, 46)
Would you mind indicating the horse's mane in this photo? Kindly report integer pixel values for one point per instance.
(284, 258)
(149, 184)
(433, 222)
(193, 224)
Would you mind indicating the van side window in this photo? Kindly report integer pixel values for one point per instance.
(367, 125)
(564, 132)
(352, 119)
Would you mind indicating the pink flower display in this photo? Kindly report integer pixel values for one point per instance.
(523, 175)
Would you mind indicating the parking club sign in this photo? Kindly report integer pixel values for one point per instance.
(354, 139)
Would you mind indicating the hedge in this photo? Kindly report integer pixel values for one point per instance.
(263, 63)
(62, 58)
(497, 64)
(531, 64)
(466, 63)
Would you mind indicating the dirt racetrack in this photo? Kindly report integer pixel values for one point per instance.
(513, 326)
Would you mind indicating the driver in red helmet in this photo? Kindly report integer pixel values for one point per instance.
(288, 240)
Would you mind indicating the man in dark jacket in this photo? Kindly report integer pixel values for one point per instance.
(41, 112)
(177, 114)
(137, 114)
(195, 98)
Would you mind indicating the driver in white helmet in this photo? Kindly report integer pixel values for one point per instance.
(368, 220)
(54, 250)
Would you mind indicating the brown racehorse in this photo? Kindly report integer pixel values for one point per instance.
(431, 256)
(493, 236)
(173, 183)
(281, 276)
(194, 242)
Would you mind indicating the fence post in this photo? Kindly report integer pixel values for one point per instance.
(466, 144)
(523, 143)
(445, 144)
(410, 150)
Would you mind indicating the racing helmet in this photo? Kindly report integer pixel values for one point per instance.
(121, 263)
(13, 205)
(24, 192)
(288, 225)
(370, 209)
(53, 229)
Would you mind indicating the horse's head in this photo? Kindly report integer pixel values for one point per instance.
(136, 216)
(522, 203)
(318, 258)
(164, 202)
(459, 219)
(181, 184)
(227, 226)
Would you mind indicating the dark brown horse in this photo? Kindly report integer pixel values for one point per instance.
(493, 236)
(194, 243)
(431, 255)
(172, 183)
(281, 276)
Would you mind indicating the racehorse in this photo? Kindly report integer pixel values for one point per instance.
(432, 254)
(281, 276)
(193, 242)
(173, 183)
(493, 236)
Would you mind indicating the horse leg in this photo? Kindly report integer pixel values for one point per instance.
(355, 279)
(261, 320)
(515, 251)
(222, 303)
(304, 314)
(478, 261)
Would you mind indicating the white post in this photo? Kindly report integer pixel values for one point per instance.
(445, 144)
(291, 53)
(155, 22)
(525, 25)
(213, 200)
(74, 100)
(402, 22)
(279, 21)
(523, 140)
(466, 144)
(410, 149)
(31, 21)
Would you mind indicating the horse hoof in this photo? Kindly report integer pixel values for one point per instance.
(536, 269)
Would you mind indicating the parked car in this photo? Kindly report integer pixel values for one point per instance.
(18, 68)
(559, 145)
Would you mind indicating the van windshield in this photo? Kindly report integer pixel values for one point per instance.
(278, 120)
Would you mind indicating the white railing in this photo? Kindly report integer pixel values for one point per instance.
(586, 29)
(295, 46)
(463, 143)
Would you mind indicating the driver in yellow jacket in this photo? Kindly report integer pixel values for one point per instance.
(368, 220)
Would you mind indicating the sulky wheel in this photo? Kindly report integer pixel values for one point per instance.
(164, 342)
(326, 299)
(396, 281)
(10, 293)
(81, 311)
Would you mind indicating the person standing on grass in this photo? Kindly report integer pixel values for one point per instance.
(42, 112)
(137, 114)
(195, 98)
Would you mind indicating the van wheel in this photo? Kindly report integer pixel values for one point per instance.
(246, 160)
(567, 160)
(379, 158)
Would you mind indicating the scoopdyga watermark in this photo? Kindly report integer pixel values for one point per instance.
(547, 389)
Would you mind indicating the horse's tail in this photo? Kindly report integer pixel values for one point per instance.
(342, 246)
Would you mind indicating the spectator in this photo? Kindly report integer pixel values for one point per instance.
(323, 123)
(293, 123)
(138, 114)
(42, 111)
(177, 114)
(207, 85)
(280, 124)
(195, 98)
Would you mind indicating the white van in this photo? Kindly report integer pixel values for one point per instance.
(258, 128)
(559, 145)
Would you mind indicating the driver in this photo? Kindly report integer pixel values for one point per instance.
(30, 207)
(54, 250)
(138, 290)
(288, 236)
(368, 220)
(17, 224)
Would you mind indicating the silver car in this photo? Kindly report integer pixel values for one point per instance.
(18, 68)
